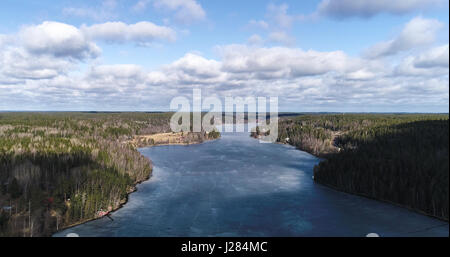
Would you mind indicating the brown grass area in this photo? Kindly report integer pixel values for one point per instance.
(178, 138)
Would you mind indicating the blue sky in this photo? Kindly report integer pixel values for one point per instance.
(325, 55)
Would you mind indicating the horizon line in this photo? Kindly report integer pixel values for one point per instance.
(283, 112)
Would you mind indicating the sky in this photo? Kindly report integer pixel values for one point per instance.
(138, 55)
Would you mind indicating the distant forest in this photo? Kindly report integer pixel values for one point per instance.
(402, 158)
(60, 169)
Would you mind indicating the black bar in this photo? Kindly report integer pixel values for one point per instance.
(280, 246)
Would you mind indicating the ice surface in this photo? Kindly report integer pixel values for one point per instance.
(236, 186)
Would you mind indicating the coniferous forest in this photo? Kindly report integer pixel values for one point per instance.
(60, 169)
(402, 159)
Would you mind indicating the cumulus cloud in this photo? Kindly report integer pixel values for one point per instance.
(194, 69)
(63, 40)
(198, 66)
(115, 77)
(186, 11)
(435, 57)
(58, 39)
(116, 71)
(417, 32)
(118, 32)
(52, 50)
(43, 52)
(18, 63)
(278, 62)
(369, 8)
(432, 63)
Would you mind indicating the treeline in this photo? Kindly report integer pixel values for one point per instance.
(59, 169)
(400, 158)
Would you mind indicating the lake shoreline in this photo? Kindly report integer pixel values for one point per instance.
(136, 184)
(323, 157)
(384, 201)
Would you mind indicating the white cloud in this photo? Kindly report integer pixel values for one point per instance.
(417, 32)
(117, 76)
(59, 40)
(157, 77)
(186, 11)
(43, 52)
(119, 32)
(17, 63)
(196, 65)
(362, 74)
(431, 63)
(278, 62)
(116, 71)
(435, 57)
(369, 8)
(194, 69)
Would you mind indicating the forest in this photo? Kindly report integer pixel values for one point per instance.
(61, 169)
(398, 158)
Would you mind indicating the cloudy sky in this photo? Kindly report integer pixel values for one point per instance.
(136, 55)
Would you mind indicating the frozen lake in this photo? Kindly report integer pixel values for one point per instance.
(236, 186)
